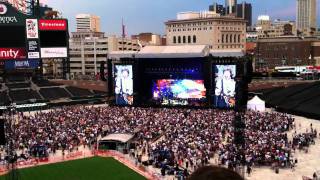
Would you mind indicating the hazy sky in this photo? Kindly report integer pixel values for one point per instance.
(150, 15)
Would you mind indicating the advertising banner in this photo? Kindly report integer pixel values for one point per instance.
(33, 49)
(53, 24)
(32, 29)
(12, 53)
(10, 16)
(21, 64)
(54, 52)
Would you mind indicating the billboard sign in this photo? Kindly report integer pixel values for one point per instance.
(12, 53)
(52, 24)
(21, 64)
(10, 16)
(32, 28)
(33, 49)
(54, 52)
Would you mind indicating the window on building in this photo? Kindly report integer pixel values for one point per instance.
(189, 39)
(239, 38)
(179, 39)
(194, 39)
(230, 38)
(222, 38)
(227, 38)
(235, 38)
(184, 39)
(174, 40)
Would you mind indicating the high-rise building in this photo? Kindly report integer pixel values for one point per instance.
(231, 7)
(306, 16)
(88, 23)
(244, 11)
(217, 8)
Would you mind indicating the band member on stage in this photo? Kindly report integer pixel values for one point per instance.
(124, 88)
(225, 89)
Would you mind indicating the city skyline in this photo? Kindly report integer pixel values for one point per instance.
(153, 14)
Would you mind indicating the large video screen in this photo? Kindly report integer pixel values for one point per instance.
(53, 39)
(178, 92)
(12, 36)
(123, 76)
(225, 86)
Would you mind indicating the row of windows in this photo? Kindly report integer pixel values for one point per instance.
(230, 47)
(204, 28)
(205, 23)
(184, 39)
(230, 38)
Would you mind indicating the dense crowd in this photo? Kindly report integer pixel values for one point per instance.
(170, 137)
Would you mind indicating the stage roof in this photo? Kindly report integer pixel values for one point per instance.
(118, 137)
(185, 51)
(121, 54)
(227, 53)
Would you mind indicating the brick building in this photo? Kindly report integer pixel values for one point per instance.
(286, 51)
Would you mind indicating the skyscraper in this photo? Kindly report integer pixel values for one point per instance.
(88, 23)
(231, 6)
(306, 16)
(217, 8)
(244, 11)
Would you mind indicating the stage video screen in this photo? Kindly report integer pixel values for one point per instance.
(178, 92)
(123, 76)
(225, 86)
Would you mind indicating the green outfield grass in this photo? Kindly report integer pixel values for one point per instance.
(96, 168)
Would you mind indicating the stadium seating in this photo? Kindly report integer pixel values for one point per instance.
(302, 99)
(23, 95)
(4, 99)
(54, 93)
(18, 85)
(79, 92)
(45, 83)
(16, 79)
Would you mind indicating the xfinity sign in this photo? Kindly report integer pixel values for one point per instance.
(12, 53)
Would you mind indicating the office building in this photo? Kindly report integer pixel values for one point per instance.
(287, 51)
(231, 6)
(148, 38)
(307, 16)
(217, 8)
(88, 23)
(244, 11)
(218, 32)
(89, 49)
(267, 29)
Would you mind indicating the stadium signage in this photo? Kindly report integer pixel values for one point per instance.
(33, 49)
(32, 28)
(55, 24)
(12, 53)
(54, 52)
(21, 64)
(8, 20)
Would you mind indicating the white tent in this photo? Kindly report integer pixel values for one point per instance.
(256, 104)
